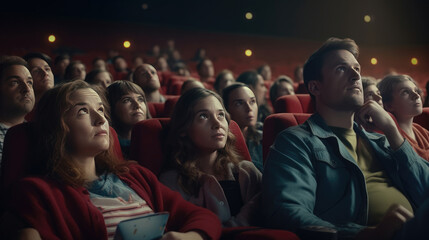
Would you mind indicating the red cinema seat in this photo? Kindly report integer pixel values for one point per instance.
(156, 109)
(148, 142)
(275, 123)
(18, 154)
(169, 105)
(423, 119)
(299, 103)
(301, 89)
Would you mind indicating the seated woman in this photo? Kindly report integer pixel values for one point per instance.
(206, 169)
(128, 106)
(100, 77)
(370, 90)
(76, 70)
(85, 192)
(223, 80)
(281, 87)
(401, 97)
(240, 102)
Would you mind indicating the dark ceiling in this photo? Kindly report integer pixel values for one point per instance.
(393, 21)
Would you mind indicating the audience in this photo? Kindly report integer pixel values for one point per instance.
(85, 191)
(180, 69)
(189, 84)
(329, 172)
(43, 78)
(98, 64)
(223, 80)
(60, 64)
(401, 97)
(255, 82)
(370, 90)
(161, 64)
(298, 74)
(100, 77)
(128, 106)
(147, 78)
(205, 70)
(240, 102)
(16, 94)
(121, 68)
(281, 87)
(265, 72)
(206, 169)
(76, 70)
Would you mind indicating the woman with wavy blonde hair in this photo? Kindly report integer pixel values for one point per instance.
(204, 165)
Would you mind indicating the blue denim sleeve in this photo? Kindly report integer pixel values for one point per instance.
(413, 172)
(289, 188)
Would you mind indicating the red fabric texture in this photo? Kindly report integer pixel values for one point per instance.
(275, 123)
(421, 144)
(299, 103)
(58, 211)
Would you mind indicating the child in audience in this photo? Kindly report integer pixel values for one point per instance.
(401, 97)
(85, 191)
(128, 106)
(206, 169)
(100, 77)
(240, 102)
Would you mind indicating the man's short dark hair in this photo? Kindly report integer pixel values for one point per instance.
(27, 57)
(9, 61)
(313, 66)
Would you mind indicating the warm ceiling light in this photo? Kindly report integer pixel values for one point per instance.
(127, 44)
(51, 38)
(414, 61)
(145, 6)
(248, 52)
(249, 15)
(374, 61)
(367, 18)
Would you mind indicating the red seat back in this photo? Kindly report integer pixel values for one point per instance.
(148, 142)
(156, 109)
(275, 123)
(423, 119)
(169, 105)
(299, 103)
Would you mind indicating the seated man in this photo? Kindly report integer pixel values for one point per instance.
(147, 78)
(39, 65)
(16, 94)
(330, 172)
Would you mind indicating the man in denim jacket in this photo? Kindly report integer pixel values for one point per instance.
(330, 172)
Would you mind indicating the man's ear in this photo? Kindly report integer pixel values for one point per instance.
(313, 87)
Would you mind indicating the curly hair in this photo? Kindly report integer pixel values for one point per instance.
(181, 149)
(53, 148)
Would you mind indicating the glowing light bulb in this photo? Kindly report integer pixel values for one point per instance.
(248, 52)
(249, 16)
(52, 38)
(414, 61)
(367, 18)
(374, 61)
(127, 44)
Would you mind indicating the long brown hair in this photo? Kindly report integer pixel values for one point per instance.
(53, 147)
(182, 150)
